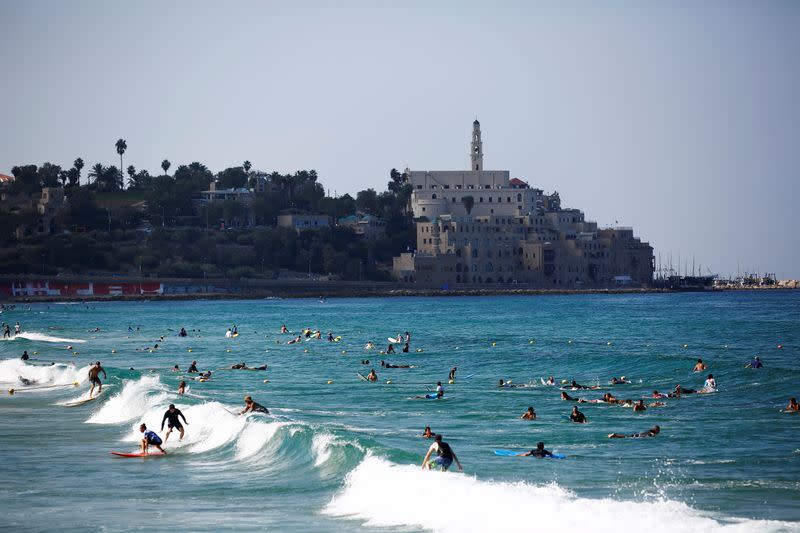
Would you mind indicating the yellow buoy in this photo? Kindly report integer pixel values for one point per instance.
(419, 350)
(451, 381)
(494, 344)
(113, 351)
(685, 345)
(564, 381)
(189, 350)
(344, 351)
(330, 382)
(569, 341)
(35, 353)
(608, 343)
(151, 351)
(228, 350)
(306, 350)
(11, 391)
(75, 384)
(388, 381)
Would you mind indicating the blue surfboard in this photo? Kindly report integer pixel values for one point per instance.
(513, 453)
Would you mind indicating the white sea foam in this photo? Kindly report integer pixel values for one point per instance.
(385, 494)
(11, 370)
(135, 399)
(42, 337)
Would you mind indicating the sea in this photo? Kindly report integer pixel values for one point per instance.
(337, 453)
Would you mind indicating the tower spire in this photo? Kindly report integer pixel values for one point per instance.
(476, 147)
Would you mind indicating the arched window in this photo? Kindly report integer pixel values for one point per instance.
(519, 197)
(433, 196)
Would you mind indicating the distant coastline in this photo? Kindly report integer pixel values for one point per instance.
(29, 289)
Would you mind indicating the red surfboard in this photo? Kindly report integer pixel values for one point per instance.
(138, 454)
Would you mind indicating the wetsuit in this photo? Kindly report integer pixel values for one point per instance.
(193, 368)
(172, 419)
(578, 417)
(540, 453)
(258, 408)
(444, 455)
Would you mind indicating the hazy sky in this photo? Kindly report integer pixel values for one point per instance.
(681, 119)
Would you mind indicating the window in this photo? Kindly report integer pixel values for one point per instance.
(490, 199)
(480, 199)
(433, 196)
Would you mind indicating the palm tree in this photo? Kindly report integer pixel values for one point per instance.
(165, 165)
(246, 166)
(78, 164)
(96, 173)
(131, 174)
(121, 147)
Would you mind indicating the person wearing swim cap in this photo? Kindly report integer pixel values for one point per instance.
(171, 416)
(252, 407)
(652, 432)
(94, 379)
(539, 451)
(150, 438)
(444, 455)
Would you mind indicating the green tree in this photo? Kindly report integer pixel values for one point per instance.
(232, 178)
(96, 173)
(367, 201)
(131, 175)
(165, 164)
(121, 147)
(78, 165)
(246, 166)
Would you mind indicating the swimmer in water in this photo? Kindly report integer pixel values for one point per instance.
(793, 406)
(577, 417)
(639, 407)
(452, 375)
(252, 407)
(181, 387)
(372, 376)
(539, 451)
(283, 329)
(193, 368)
(390, 348)
(652, 432)
(427, 433)
(530, 414)
(755, 363)
(699, 366)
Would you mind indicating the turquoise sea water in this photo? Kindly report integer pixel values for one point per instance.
(346, 455)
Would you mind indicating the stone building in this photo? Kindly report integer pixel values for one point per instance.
(481, 227)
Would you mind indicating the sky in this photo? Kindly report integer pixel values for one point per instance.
(678, 118)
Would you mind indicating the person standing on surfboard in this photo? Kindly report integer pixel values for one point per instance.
(444, 455)
(150, 438)
(172, 417)
(94, 378)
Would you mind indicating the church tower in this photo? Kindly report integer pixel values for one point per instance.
(476, 147)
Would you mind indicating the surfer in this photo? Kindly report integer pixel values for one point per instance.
(94, 379)
(550, 381)
(176, 368)
(577, 417)
(228, 334)
(204, 376)
(239, 366)
(193, 368)
(576, 386)
(171, 417)
(620, 381)
(657, 394)
(372, 376)
(283, 329)
(150, 438)
(444, 455)
(452, 375)
(26, 382)
(25, 356)
(639, 407)
(699, 366)
(297, 339)
(369, 346)
(182, 333)
(539, 451)
(793, 406)
(6, 331)
(405, 348)
(652, 432)
(408, 337)
(17, 329)
(253, 407)
(755, 363)
(427, 433)
(680, 391)
(530, 414)
(390, 348)
(330, 337)
(710, 384)
(506, 385)
(181, 387)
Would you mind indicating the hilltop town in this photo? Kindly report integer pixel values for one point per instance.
(446, 229)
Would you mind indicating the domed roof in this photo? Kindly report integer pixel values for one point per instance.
(476, 123)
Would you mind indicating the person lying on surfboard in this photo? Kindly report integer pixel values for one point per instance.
(252, 407)
(652, 432)
(94, 372)
(149, 438)
(539, 451)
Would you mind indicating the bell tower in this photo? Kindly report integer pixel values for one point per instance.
(476, 147)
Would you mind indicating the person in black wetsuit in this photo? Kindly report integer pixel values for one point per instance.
(182, 333)
(171, 416)
(193, 368)
(577, 417)
(25, 356)
(680, 391)
(652, 432)
(252, 407)
(444, 455)
(539, 451)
